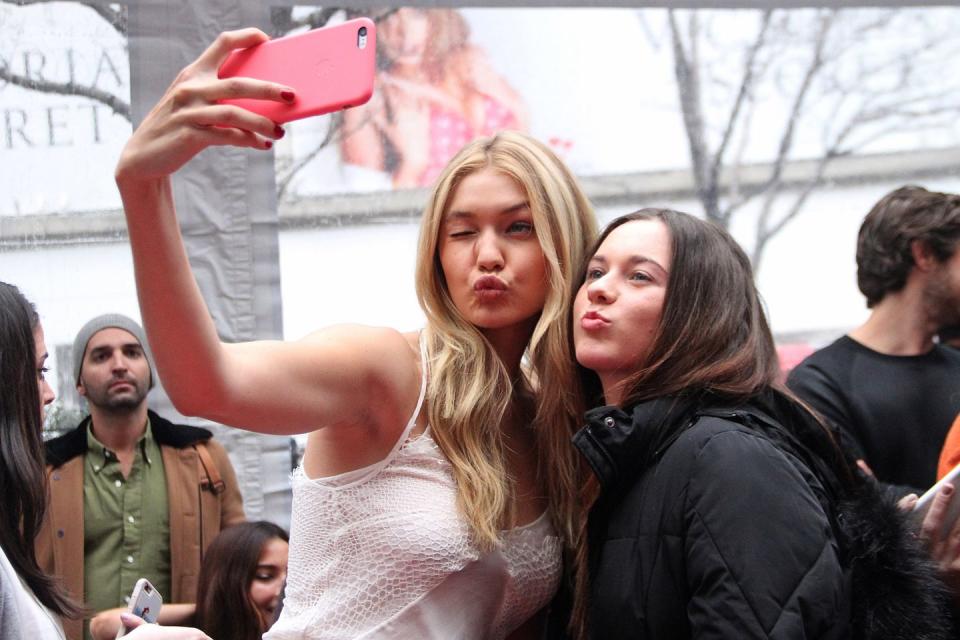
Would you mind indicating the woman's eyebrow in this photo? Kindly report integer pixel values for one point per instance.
(455, 214)
(632, 261)
(641, 259)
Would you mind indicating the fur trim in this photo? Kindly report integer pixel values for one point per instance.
(897, 592)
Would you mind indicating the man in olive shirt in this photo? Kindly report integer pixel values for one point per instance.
(132, 495)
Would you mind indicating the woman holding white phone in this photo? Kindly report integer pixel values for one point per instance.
(238, 589)
(438, 486)
(31, 602)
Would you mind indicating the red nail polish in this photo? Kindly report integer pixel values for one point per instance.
(278, 131)
(287, 95)
(268, 144)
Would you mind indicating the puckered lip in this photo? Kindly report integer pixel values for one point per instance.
(595, 315)
(489, 283)
(594, 321)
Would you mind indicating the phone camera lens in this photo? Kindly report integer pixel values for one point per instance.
(363, 31)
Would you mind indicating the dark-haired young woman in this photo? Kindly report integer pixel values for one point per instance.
(241, 579)
(724, 509)
(238, 590)
(32, 602)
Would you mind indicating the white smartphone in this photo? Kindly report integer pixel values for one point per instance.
(145, 602)
(953, 509)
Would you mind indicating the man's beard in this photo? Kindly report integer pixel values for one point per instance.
(119, 404)
(941, 300)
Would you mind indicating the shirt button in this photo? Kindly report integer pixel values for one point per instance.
(130, 519)
(96, 467)
(609, 422)
(129, 559)
(118, 483)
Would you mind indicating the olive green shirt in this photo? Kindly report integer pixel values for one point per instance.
(126, 524)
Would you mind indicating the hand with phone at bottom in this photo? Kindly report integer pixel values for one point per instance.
(106, 624)
(143, 630)
(941, 537)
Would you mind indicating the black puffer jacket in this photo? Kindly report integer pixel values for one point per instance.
(711, 528)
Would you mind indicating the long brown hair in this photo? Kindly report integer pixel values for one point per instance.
(22, 475)
(224, 609)
(713, 346)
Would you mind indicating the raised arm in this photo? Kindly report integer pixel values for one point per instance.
(269, 386)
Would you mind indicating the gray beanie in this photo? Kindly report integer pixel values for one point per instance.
(106, 321)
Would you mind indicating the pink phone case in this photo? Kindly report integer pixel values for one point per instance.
(330, 68)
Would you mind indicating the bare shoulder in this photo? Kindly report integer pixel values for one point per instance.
(379, 363)
(380, 351)
(377, 389)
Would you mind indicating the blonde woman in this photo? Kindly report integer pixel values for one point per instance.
(438, 485)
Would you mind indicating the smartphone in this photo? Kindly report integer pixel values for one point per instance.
(330, 69)
(953, 509)
(145, 602)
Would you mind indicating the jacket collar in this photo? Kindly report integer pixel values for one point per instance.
(74, 443)
(619, 444)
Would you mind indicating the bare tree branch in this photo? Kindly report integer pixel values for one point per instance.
(685, 67)
(283, 21)
(746, 87)
(334, 133)
(117, 105)
(764, 235)
(816, 63)
(116, 17)
(840, 94)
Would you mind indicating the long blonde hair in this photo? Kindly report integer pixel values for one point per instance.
(470, 391)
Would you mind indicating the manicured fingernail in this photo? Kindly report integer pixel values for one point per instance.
(278, 132)
(287, 95)
(268, 144)
(947, 489)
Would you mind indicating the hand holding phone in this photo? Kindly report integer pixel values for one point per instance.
(145, 602)
(952, 512)
(330, 69)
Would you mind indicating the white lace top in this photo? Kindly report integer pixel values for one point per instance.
(382, 552)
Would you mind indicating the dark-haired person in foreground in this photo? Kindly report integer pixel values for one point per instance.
(888, 385)
(724, 509)
(238, 591)
(31, 601)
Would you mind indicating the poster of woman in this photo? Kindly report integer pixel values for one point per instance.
(436, 91)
